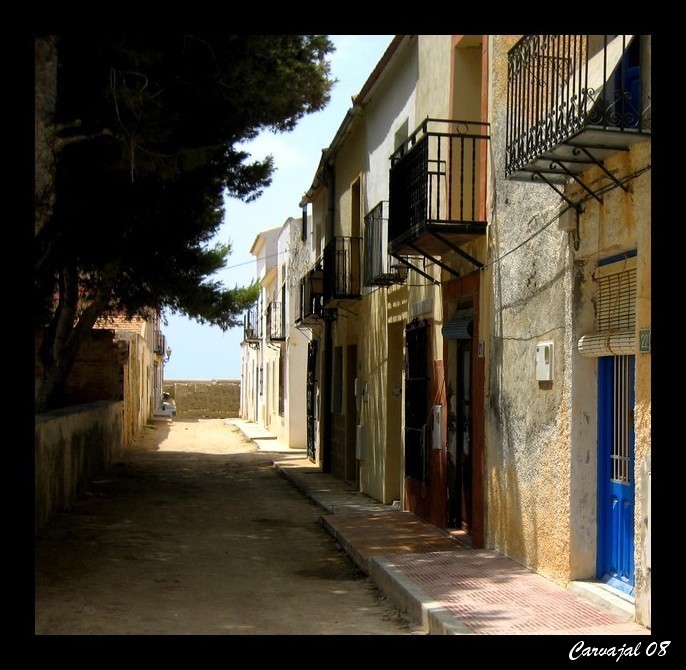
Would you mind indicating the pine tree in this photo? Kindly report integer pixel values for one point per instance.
(137, 143)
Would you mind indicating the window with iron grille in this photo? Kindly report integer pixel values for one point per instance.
(622, 422)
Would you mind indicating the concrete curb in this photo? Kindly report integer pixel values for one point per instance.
(412, 599)
(599, 594)
(359, 560)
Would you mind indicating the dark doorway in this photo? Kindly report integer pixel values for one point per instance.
(416, 403)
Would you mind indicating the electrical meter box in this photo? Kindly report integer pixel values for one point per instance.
(544, 362)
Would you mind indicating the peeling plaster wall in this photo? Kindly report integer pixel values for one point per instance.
(528, 423)
(541, 438)
(642, 410)
(623, 223)
(584, 426)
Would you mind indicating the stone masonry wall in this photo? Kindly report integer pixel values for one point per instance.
(213, 399)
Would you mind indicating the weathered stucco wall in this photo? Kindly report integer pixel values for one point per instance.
(542, 437)
(72, 446)
(642, 413)
(623, 223)
(215, 399)
(527, 464)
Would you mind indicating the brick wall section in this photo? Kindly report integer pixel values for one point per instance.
(215, 399)
(97, 372)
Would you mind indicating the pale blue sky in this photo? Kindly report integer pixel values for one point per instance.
(205, 352)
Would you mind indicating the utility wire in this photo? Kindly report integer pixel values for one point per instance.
(602, 191)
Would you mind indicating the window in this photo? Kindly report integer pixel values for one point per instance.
(615, 319)
(401, 135)
(282, 374)
(303, 230)
(283, 309)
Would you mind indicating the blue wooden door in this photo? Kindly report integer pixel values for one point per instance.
(616, 471)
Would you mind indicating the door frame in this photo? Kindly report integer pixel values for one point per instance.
(462, 291)
(612, 558)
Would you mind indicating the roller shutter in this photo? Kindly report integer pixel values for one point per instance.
(615, 323)
(460, 327)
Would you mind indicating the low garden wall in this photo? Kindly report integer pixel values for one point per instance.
(72, 447)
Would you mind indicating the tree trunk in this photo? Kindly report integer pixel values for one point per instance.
(45, 129)
(64, 338)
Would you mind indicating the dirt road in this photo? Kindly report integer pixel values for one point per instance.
(194, 532)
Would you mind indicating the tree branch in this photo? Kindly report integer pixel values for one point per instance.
(62, 142)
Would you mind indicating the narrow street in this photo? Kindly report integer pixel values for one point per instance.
(194, 532)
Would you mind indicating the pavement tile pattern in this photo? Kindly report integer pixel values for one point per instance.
(437, 576)
(485, 592)
(492, 595)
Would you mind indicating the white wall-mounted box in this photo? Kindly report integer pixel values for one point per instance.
(544, 361)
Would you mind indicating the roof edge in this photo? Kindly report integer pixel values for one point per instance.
(354, 112)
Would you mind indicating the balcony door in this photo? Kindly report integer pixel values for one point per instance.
(458, 331)
(416, 403)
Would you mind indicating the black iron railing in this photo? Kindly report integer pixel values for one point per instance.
(160, 344)
(252, 324)
(276, 321)
(310, 296)
(380, 268)
(343, 269)
(436, 176)
(560, 84)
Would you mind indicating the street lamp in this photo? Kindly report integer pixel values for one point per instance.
(401, 271)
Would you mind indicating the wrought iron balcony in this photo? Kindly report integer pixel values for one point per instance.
(437, 188)
(252, 325)
(380, 268)
(573, 100)
(342, 270)
(276, 321)
(310, 307)
(160, 344)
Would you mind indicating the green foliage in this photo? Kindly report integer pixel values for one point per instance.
(145, 131)
(147, 194)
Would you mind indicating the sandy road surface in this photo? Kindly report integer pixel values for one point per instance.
(194, 532)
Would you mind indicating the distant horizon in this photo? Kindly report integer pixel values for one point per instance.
(169, 380)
